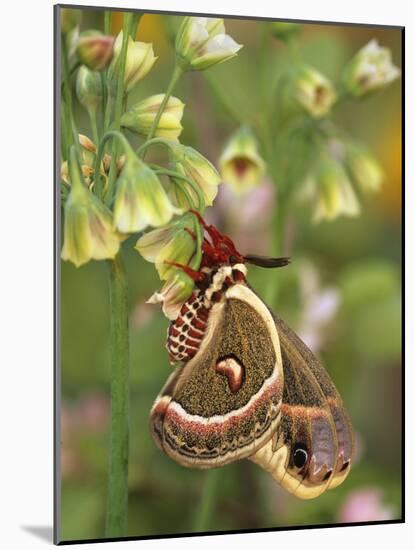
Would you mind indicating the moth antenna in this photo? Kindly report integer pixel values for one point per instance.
(265, 261)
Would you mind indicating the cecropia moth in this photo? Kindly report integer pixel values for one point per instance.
(246, 386)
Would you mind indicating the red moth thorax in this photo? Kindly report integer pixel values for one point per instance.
(186, 332)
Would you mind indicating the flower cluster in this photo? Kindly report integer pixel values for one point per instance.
(112, 192)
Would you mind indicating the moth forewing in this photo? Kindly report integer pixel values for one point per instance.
(225, 402)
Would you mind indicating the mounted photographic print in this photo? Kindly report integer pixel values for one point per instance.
(228, 274)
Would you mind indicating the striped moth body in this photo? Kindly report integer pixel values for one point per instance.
(246, 386)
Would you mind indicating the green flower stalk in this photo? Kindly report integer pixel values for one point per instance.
(140, 200)
(313, 92)
(95, 50)
(139, 61)
(285, 31)
(88, 225)
(241, 165)
(189, 162)
(334, 193)
(140, 118)
(202, 42)
(371, 69)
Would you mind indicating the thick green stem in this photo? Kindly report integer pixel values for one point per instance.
(202, 521)
(117, 505)
(178, 71)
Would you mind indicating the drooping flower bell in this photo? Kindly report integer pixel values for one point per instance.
(363, 168)
(173, 243)
(139, 61)
(95, 50)
(141, 116)
(313, 91)
(140, 200)
(241, 165)
(189, 162)
(202, 42)
(88, 225)
(369, 70)
(334, 193)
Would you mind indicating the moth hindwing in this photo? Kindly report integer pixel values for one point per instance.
(224, 403)
(311, 451)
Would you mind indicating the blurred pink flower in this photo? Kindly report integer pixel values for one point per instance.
(365, 505)
(247, 216)
(320, 306)
(93, 412)
(141, 314)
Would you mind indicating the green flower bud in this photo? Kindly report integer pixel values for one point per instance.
(285, 30)
(196, 167)
(88, 225)
(95, 50)
(369, 70)
(140, 199)
(313, 91)
(334, 192)
(241, 165)
(88, 88)
(69, 19)
(202, 42)
(139, 61)
(141, 116)
(363, 168)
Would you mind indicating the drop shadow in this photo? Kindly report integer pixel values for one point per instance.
(43, 532)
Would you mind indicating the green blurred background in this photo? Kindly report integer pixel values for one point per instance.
(342, 294)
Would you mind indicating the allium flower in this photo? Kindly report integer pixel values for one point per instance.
(140, 59)
(140, 199)
(173, 294)
(313, 91)
(95, 50)
(88, 226)
(141, 116)
(365, 505)
(363, 168)
(335, 194)
(174, 243)
(196, 167)
(88, 88)
(369, 70)
(88, 151)
(202, 42)
(241, 165)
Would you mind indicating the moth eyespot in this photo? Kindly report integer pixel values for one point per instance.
(300, 455)
(344, 466)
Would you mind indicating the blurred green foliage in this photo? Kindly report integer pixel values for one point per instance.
(359, 258)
